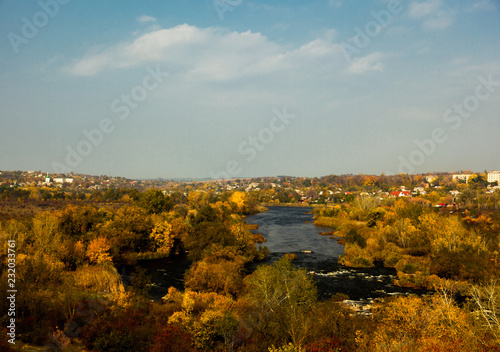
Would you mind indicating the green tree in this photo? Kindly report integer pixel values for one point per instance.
(205, 234)
(285, 296)
(80, 222)
(155, 202)
(129, 230)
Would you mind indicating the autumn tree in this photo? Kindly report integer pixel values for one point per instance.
(402, 232)
(220, 271)
(81, 222)
(128, 230)
(240, 202)
(162, 236)
(208, 227)
(419, 324)
(98, 251)
(209, 317)
(285, 296)
(155, 202)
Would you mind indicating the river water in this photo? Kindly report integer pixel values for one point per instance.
(291, 230)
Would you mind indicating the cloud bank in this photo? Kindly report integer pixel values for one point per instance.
(215, 54)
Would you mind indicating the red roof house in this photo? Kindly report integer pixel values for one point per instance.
(401, 194)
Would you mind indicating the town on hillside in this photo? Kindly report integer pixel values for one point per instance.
(443, 189)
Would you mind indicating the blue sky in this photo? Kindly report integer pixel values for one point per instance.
(235, 88)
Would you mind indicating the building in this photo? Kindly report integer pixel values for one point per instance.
(401, 194)
(494, 176)
(430, 178)
(419, 190)
(63, 180)
(462, 177)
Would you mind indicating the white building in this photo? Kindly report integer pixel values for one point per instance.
(430, 178)
(63, 180)
(419, 190)
(494, 176)
(462, 177)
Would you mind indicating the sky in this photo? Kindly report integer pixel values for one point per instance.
(240, 88)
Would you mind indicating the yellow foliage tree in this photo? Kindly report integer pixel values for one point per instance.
(220, 272)
(240, 199)
(401, 232)
(98, 250)
(215, 322)
(163, 237)
(45, 233)
(415, 324)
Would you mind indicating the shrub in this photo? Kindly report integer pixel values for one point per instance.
(4, 345)
(391, 255)
(356, 257)
(331, 344)
(220, 271)
(97, 278)
(354, 237)
(121, 330)
(171, 338)
(287, 348)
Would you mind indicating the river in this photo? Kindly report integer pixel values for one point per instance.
(291, 230)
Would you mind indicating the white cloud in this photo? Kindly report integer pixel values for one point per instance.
(419, 10)
(144, 19)
(209, 54)
(432, 14)
(482, 5)
(461, 67)
(335, 3)
(440, 22)
(371, 62)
